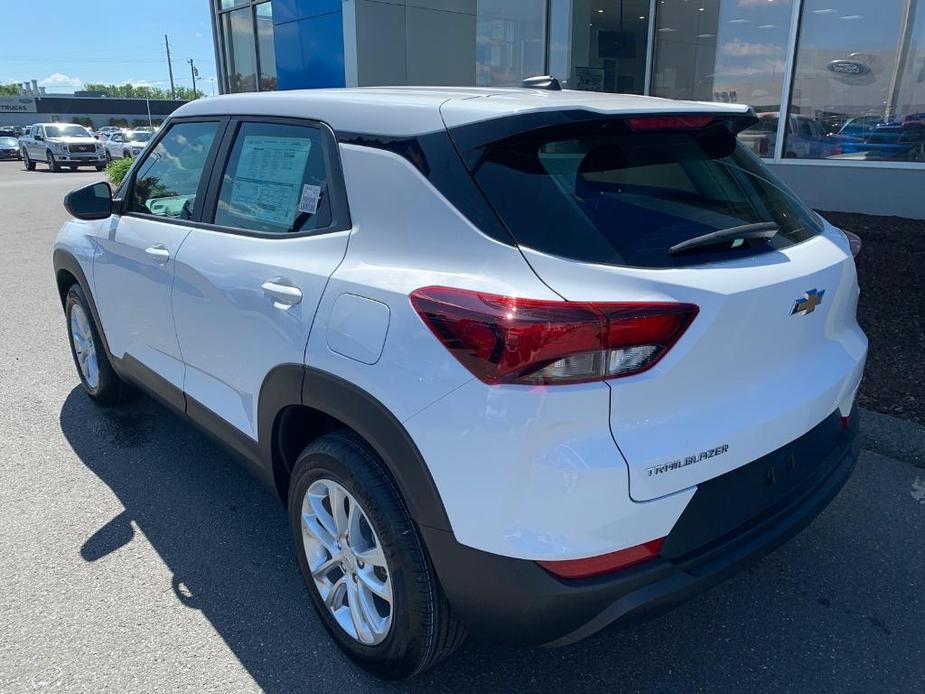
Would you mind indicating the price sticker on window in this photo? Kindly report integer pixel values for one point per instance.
(308, 203)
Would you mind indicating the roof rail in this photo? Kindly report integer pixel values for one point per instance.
(542, 82)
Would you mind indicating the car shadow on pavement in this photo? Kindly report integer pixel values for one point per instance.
(225, 540)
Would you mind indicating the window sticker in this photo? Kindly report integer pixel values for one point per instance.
(267, 180)
(308, 203)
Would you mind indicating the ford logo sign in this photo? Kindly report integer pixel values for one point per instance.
(847, 67)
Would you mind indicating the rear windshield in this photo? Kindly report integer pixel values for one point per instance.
(602, 193)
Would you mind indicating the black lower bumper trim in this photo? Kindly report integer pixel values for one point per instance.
(515, 601)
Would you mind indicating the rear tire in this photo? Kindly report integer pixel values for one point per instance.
(98, 378)
(421, 629)
(72, 167)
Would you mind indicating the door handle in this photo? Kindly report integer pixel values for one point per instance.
(283, 295)
(159, 252)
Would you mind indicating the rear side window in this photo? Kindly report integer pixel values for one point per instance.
(276, 181)
(167, 181)
(602, 193)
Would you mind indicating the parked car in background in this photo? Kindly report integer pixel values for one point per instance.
(9, 145)
(521, 363)
(59, 145)
(858, 127)
(126, 144)
(805, 138)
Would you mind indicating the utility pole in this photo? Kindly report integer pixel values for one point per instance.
(173, 91)
(195, 73)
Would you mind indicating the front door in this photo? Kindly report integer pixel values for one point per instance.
(249, 283)
(136, 261)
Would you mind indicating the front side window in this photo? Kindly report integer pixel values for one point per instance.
(602, 193)
(276, 180)
(167, 180)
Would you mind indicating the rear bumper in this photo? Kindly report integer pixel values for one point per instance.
(515, 601)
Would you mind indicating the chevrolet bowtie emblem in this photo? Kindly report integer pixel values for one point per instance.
(807, 303)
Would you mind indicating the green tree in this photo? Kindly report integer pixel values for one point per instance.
(11, 89)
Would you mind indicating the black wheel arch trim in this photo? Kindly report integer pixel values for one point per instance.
(294, 384)
(64, 261)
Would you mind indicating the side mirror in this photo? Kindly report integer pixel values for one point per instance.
(90, 202)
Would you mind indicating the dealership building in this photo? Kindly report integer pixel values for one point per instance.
(848, 74)
(95, 111)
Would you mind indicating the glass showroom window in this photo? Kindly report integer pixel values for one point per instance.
(248, 56)
(730, 50)
(510, 41)
(265, 49)
(859, 82)
(608, 45)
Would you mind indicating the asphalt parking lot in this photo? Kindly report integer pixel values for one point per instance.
(136, 556)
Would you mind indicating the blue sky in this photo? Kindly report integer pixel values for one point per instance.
(64, 44)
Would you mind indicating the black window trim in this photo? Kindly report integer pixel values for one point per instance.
(123, 194)
(340, 211)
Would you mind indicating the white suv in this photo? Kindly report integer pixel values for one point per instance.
(521, 363)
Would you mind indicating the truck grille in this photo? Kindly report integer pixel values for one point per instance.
(81, 148)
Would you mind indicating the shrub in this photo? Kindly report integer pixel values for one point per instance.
(117, 169)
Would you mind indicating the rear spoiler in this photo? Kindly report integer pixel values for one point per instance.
(472, 139)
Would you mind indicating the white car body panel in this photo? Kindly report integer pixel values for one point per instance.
(231, 332)
(133, 292)
(747, 374)
(399, 243)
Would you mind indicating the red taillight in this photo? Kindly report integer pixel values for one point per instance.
(846, 422)
(503, 339)
(646, 123)
(606, 563)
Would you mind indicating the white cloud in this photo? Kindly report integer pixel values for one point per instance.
(741, 48)
(139, 83)
(58, 80)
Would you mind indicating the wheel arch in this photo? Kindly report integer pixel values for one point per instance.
(299, 403)
(68, 271)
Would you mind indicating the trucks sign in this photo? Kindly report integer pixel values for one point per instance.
(17, 104)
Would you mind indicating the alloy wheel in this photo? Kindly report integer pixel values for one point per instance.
(347, 562)
(84, 346)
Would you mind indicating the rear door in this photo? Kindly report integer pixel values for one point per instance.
(775, 348)
(136, 261)
(249, 282)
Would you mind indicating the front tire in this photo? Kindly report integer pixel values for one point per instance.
(363, 561)
(27, 162)
(98, 378)
(52, 162)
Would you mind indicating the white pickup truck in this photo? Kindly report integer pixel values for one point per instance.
(59, 145)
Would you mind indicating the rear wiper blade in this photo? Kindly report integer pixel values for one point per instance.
(761, 230)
